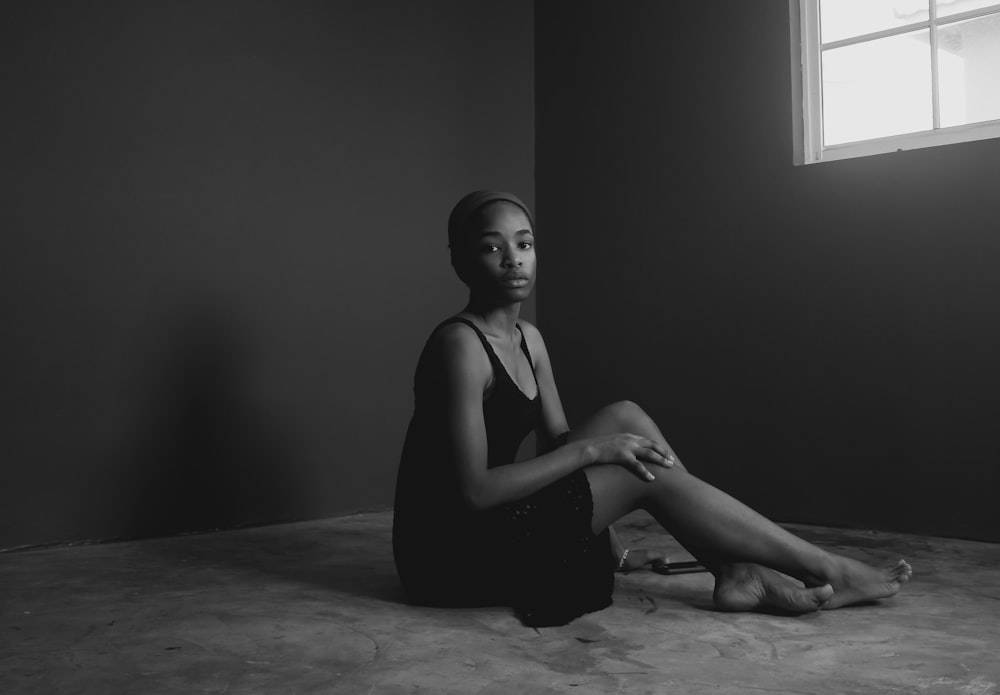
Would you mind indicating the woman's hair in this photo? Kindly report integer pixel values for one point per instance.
(466, 212)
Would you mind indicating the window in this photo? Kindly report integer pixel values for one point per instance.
(879, 76)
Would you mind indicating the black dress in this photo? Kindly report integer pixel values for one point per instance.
(537, 554)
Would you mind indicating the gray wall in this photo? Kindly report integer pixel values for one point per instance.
(224, 244)
(821, 341)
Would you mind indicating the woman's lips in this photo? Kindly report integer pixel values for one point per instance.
(517, 281)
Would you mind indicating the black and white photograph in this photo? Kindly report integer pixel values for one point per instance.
(475, 347)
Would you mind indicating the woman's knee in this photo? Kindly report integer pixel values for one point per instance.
(623, 417)
(628, 416)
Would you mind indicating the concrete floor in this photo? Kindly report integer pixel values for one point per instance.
(315, 607)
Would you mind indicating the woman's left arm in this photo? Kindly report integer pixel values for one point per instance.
(554, 424)
(553, 417)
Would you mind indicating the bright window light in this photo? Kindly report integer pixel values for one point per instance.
(886, 75)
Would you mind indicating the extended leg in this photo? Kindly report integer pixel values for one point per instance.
(724, 533)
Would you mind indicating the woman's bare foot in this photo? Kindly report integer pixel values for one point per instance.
(638, 558)
(747, 587)
(855, 582)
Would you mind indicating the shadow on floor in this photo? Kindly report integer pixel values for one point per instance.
(356, 562)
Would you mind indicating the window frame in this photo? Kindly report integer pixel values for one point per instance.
(807, 89)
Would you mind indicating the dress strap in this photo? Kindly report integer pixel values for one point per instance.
(490, 352)
(524, 348)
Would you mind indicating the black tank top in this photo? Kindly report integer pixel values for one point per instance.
(428, 499)
(537, 554)
(509, 414)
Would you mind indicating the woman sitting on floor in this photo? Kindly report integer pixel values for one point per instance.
(471, 526)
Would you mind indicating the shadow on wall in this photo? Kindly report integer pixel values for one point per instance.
(208, 452)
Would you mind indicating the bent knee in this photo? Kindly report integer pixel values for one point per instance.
(628, 415)
(630, 418)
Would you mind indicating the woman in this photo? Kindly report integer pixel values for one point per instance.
(472, 526)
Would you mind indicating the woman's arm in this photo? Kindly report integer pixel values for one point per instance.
(554, 424)
(553, 417)
(466, 371)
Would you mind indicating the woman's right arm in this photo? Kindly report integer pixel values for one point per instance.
(466, 371)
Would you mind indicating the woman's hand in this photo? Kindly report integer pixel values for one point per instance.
(630, 451)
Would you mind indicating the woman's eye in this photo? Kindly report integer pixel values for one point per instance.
(527, 244)
(490, 248)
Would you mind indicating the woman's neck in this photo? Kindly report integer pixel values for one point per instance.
(497, 320)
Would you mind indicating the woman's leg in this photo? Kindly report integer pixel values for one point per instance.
(727, 535)
(739, 586)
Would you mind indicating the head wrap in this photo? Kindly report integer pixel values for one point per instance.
(468, 206)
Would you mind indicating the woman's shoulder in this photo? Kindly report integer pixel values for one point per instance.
(536, 346)
(454, 342)
(455, 332)
(529, 329)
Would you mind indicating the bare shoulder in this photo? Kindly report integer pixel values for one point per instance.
(536, 345)
(457, 347)
(529, 329)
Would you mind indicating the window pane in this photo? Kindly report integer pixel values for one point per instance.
(841, 19)
(949, 7)
(969, 71)
(877, 88)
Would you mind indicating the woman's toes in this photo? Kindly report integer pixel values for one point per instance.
(901, 571)
(862, 583)
(796, 600)
(639, 558)
(823, 593)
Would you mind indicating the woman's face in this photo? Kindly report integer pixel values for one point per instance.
(501, 253)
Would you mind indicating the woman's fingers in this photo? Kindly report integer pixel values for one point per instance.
(657, 447)
(652, 451)
(640, 470)
(637, 467)
(634, 452)
(662, 450)
(654, 455)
